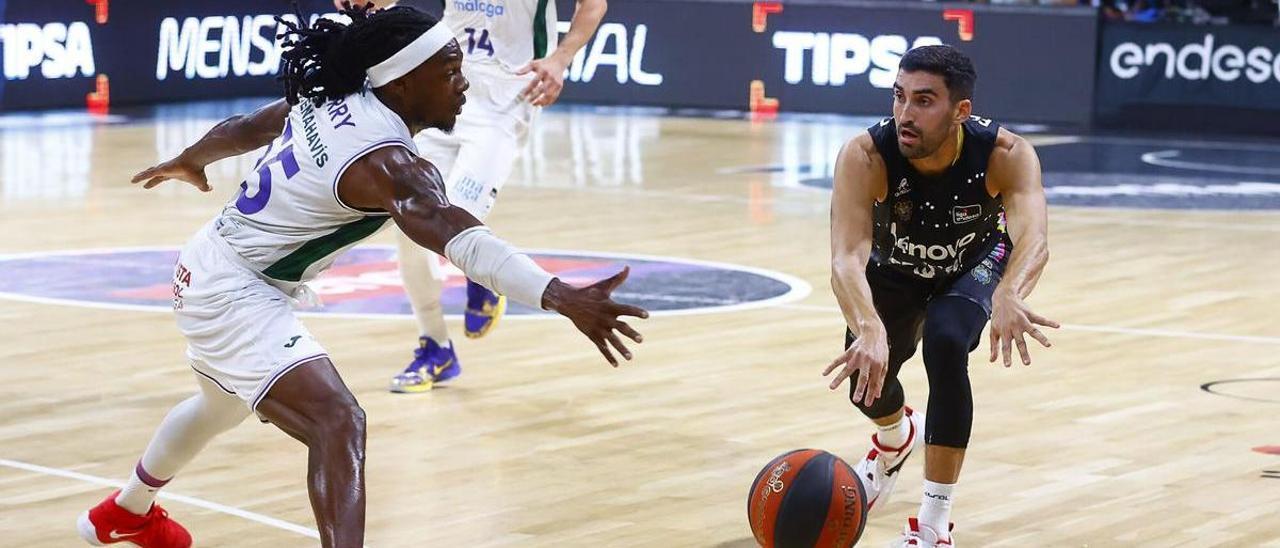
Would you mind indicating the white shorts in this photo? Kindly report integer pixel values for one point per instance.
(478, 156)
(241, 331)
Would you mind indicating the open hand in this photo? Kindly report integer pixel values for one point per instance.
(1011, 319)
(177, 168)
(868, 356)
(595, 314)
(547, 82)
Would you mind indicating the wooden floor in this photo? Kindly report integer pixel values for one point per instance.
(1107, 440)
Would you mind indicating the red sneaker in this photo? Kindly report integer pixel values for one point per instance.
(108, 523)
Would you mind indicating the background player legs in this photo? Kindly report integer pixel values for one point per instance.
(181, 435)
(484, 162)
(423, 279)
(952, 328)
(311, 404)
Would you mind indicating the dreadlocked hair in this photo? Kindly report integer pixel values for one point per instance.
(327, 60)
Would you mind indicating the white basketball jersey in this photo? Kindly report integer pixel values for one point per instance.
(506, 32)
(287, 221)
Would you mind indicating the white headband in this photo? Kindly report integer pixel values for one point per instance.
(410, 56)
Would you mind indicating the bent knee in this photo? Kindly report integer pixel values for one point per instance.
(946, 341)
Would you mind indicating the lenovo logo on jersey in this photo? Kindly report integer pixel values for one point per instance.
(613, 46)
(60, 50)
(835, 57)
(1198, 61)
(932, 252)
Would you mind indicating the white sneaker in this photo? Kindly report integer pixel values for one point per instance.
(879, 470)
(922, 536)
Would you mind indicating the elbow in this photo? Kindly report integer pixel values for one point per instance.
(845, 265)
(838, 266)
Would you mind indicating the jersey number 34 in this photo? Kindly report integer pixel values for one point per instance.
(478, 40)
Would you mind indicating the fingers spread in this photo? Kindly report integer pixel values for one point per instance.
(1039, 337)
(628, 310)
(630, 333)
(1006, 346)
(617, 344)
(143, 175)
(836, 363)
(1041, 320)
(860, 385)
(1022, 349)
(877, 384)
(612, 282)
(605, 350)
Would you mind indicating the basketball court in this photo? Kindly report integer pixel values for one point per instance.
(1151, 421)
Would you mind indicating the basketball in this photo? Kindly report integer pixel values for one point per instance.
(807, 498)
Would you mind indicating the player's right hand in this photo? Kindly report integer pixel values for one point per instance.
(595, 314)
(868, 356)
(178, 168)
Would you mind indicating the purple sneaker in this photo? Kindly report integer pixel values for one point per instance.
(431, 364)
(484, 308)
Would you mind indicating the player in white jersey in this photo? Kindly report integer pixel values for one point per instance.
(339, 164)
(516, 64)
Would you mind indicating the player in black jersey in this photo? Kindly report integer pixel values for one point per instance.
(938, 223)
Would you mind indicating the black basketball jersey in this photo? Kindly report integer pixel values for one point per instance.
(939, 226)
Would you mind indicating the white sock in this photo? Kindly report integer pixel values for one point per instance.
(935, 507)
(423, 280)
(183, 433)
(139, 492)
(894, 435)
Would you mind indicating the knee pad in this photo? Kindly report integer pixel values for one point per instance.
(952, 329)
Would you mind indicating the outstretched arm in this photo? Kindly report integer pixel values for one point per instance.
(1014, 173)
(859, 180)
(231, 137)
(394, 180)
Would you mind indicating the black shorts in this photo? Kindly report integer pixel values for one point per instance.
(901, 299)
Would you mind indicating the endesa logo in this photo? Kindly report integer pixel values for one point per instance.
(617, 46)
(214, 47)
(59, 50)
(833, 58)
(1197, 61)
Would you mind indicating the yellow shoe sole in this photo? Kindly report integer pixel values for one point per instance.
(419, 388)
(497, 311)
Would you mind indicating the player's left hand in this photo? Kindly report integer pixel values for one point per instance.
(1011, 318)
(547, 82)
(179, 168)
(595, 313)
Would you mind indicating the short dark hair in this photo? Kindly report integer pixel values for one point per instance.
(327, 59)
(954, 67)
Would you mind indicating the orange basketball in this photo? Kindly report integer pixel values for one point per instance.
(807, 498)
